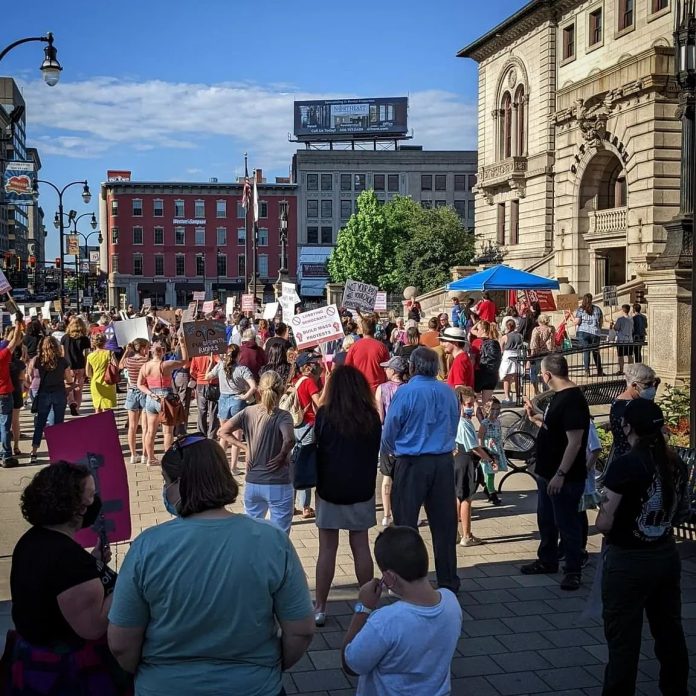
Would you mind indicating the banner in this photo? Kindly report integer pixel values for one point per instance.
(270, 310)
(359, 295)
(93, 442)
(199, 296)
(208, 307)
(248, 303)
(127, 331)
(205, 337)
(4, 283)
(72, 245)
(229, 305)
(317, 326)
(19, 182)
(94, 257)
(380, 301)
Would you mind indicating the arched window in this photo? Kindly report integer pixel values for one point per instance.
(521, 125)
(506, 140)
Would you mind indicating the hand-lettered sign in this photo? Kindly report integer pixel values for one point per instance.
(205, 337)
(359, 295)
(317, 326)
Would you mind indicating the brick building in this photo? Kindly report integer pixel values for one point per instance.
(165, 240)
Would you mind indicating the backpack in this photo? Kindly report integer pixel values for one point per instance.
(491, 354)
(290, 402)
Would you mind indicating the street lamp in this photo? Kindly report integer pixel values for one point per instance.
(59, 224)
(50, 67)
(283, 241)
(74, 219)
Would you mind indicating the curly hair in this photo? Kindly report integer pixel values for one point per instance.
(49, 352)
(76, 328)
(54, 495)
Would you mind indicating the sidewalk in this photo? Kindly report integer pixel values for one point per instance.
(520, 634)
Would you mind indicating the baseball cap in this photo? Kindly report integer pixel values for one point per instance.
(644, 416)
(306, 358)
(396, 363)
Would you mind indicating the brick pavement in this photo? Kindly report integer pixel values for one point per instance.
(520, 634)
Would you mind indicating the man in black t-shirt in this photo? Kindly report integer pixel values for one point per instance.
(560, 472)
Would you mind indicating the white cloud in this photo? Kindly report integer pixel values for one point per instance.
(101, 115)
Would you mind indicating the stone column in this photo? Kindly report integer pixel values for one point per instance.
(334, 293)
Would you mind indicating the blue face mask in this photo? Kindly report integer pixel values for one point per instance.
(648, 393)
(169, 507)
(468, 412)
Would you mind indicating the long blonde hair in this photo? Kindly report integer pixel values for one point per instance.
(76, 328)
(271, 389)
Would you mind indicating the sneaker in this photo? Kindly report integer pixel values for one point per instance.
(387, 521)
(143, 459)
(73, 409)
(571, 581)
(319, 618)
(33, 458)
(132, 460)
(9, 462)
(495, 499)
(538, 568)
(471, 541)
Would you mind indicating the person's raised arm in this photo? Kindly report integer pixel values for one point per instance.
(128, 353)
(16, 339)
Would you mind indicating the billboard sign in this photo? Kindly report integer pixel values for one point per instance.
(19, 182)
(342, 117)
(118, 175)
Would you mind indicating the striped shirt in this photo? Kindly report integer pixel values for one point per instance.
(133, 365)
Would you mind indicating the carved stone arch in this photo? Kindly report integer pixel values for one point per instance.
(661, 41)
(522, 78)
(587, 152)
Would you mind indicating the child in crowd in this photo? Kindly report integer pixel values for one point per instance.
(491, 439)
(466, 457)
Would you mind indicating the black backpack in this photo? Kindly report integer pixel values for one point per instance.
(491, 354)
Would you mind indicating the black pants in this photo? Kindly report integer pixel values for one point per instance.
(635, 580)
(428, 480)
(208, 422)
(638, 350)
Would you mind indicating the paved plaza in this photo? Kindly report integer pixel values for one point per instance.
(520, 634)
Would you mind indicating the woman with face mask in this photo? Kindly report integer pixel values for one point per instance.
(61, 594)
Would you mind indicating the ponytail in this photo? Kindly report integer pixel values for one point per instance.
(665, 463)
(271, 389)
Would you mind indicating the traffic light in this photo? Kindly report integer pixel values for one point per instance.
(58, 262)
(32, 262)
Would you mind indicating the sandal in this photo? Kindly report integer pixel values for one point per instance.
(308, 513)
(17, 452)
(153, 462)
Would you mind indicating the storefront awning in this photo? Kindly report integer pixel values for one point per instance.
(312, 287)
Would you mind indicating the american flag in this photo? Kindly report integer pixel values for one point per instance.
(246, 191)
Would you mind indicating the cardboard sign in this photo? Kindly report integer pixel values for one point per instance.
(317, 326)
(93, 442)
(568, 302)
(359, 295)
(189, 314)
(205, 337)
(208, 307)
(229, 305)
(609, 296)
(56, 305)
(199, 296)
(270, 310)
(248, 304)
(168, 315)
(4, 283)
(128, 331)
(380, 301)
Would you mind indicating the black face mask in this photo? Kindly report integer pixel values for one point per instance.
(92, 512)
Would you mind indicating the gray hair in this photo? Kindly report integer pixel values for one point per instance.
(639, 373)
(424, 362)
(556, 364)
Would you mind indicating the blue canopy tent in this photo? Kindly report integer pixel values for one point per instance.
(503, 278)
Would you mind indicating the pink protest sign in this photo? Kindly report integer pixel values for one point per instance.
(93, 442)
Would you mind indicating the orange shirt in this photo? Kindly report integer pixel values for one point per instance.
(431, 338)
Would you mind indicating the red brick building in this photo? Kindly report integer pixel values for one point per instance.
(165, 240)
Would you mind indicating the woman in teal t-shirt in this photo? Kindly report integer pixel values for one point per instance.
(199, 599)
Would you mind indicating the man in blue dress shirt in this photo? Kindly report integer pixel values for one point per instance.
(419, 430)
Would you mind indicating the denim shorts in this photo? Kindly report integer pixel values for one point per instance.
(153, 405)
(229, 405)
(135, 399)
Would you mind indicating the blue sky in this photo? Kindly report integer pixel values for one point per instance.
(178, 90)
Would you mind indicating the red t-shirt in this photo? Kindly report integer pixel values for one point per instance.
(366, 355)
(461, 372)
(304, 393)
(486, 310)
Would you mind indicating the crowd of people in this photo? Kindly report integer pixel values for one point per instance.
(215, 597)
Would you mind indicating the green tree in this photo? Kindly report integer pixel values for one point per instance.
(365, 247)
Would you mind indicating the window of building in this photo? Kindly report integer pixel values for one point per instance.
(263, 265)
(221, 236)
(379, 182)
(441, 182)
(200, 265)
(312, 208)
(346, 209)
(393, 182)
(595, 27)
(426, 182)
(137, 207)
(507, 126)
(114, 263)
(346, 182)
(200, 236)
(241, 236)
(114, 206)
(114, 235)
(159, 235)
(625, 14)
(199, 209)
(327, 235)
(658, 5)
(241, 211)
(159, 265)
(137, 235)
(312, 235)
(460, 207)
(180, 236)
(241, 266)
(263, 237)
(620, 192)
(221, 265)
(180, 265)
(263, 209)
(440, 204)
(514, 222)
(158, 207)
(327, 208)
(460, 182)
(473, 179)
(568, 51)
(137, 264)
(221, 208)
(312, 182)
(326, 182)
(426, 204)
(359, 182)
(521, 125)
(500, 237)
(179, 209)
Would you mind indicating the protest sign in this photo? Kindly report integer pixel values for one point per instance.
(248, 303)
(208, 307)
(4, 283)
(289, 290)
(380, 301)
(33, 312)
(609, 296)
(21, 308)
(147, 303)
(199, 296)
(46, 310)
(56, 305)
(317, 326)
(93, 442)
(567, 302)
(229, 305)
(129, 330)
(167, 315)
(205, 337)
(270, 310)
(357, 295)
(189, 314)
(287, 305)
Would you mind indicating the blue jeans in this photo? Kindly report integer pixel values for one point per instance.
(588, 340)
(6, 403)
(260, 498)
(557, 515)
(48, 402)
(229, 405)
(304, 498)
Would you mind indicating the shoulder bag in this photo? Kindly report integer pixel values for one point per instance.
(112, 375)
(303, 458)
(172, 411)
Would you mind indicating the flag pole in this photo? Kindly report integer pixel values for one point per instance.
(254, 239)
(246, 225)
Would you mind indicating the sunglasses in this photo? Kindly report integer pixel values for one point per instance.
(181, 443)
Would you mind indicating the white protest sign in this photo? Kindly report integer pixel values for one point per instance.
(4, 283)
(199, 296)
(33, 312)
(289, 290)
(208, 307)
(287, 304)
(229, 305)
(248, 303)
(22, 309)
(359, 295)
(317, 326)
(46, 310)
(127, 331)
(381, 301)
(270, 310)
(147, 303)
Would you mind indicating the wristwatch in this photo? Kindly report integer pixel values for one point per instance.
(560, 473)
(360, 608)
